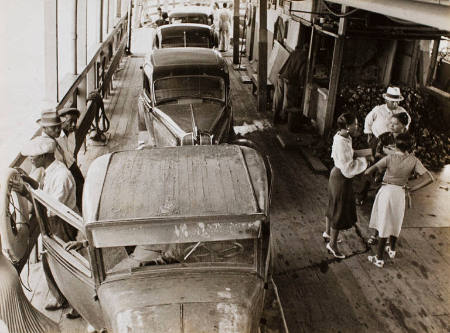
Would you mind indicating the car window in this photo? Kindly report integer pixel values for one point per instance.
(189, 86)
(187, 39)
(200, 19)
(231, 252)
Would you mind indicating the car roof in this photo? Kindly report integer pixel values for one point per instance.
(184, 61)
(174, 183)
(183, 26)
(190, 10)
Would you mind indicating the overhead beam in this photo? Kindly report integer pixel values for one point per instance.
(428, 14)
(262, 55)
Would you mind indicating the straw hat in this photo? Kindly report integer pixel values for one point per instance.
(49, 118)
(66, 111)
(393, 94)
(40, 145)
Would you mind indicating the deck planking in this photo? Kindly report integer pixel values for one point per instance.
(318, 293)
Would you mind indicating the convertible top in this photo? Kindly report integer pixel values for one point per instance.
(176, 183)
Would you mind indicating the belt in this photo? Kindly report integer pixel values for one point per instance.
(407, 193)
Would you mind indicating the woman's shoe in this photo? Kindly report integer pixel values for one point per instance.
(326, 237)
(390, 252)
(372, 240)
(334, 253)
(377, 262)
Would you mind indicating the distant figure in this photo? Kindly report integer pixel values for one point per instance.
(161, 17)
(289, 85)
(224, 28)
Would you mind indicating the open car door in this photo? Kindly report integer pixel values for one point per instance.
(72, 271)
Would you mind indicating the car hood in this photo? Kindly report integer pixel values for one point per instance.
(186, 116)
(185, 303)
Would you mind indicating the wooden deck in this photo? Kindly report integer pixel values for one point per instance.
(318, 293)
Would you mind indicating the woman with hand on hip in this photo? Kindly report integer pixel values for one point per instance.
(341, 213)
(388, 209)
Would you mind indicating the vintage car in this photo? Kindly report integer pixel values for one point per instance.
(185, 35)
(179, 240)
(185, 98)
(192, 14)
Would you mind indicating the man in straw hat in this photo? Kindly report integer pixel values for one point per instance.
(378, 120)
(51, 125)
(59, 183)
(69, 118)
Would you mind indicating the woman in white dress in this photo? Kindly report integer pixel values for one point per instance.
(389, 206)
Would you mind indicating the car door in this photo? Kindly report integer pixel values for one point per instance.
(71, 270)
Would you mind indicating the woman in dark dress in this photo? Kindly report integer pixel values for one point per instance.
(341, 213)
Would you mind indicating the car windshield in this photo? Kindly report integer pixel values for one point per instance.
(177, 87)
(186, 39)
(238, 253)
(199, 18)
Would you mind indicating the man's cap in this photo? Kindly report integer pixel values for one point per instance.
(40, 145)
(393, 94)
(49, 117)
(66, 111)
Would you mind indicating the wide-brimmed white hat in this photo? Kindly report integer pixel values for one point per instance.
(49, 118)
(393, 94)
(40, 145)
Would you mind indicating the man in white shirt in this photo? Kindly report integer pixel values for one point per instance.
(378, 120)
(224, 28)
(59, 183)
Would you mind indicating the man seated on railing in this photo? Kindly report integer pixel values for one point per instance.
(59, 183)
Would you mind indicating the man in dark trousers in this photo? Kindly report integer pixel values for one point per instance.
(290, 83)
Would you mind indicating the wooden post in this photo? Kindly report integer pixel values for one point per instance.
(130, 17)
(412, 78)
(118, 8)
(433, 61)
(74, 36)
(313, 46)
(100, 21)
(389, 62)
(51, 51)
(262, 57)
(335, 71)
(236, 32)
(82, 53)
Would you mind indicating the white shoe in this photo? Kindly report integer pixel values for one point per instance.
(327, 237)
(377, 262)
(390, 252)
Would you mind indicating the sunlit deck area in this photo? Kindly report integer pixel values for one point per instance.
(317, 293)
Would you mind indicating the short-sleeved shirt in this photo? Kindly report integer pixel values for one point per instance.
(399, 167)
(378, 120)
(59, 183)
